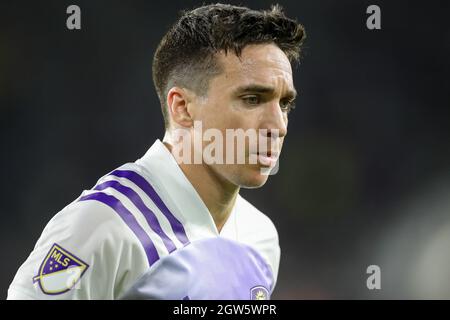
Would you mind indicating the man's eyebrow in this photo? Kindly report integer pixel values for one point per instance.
(257, 88)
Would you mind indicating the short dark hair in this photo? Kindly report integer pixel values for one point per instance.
(185, 56)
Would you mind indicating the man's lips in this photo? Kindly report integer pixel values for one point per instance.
(267, 159)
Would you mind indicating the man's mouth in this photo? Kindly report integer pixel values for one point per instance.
(267, 159)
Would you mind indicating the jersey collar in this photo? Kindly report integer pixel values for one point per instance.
(179, 194)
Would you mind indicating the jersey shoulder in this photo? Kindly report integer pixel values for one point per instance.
(87, 237)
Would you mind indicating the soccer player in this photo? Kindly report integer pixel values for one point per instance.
(161, 228)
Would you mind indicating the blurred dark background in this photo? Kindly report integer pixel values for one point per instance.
(365, 172)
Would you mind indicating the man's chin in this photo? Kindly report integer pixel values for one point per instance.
(254, 180)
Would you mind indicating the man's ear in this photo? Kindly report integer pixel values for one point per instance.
(177, 103)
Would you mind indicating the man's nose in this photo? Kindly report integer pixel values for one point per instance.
(275, 121)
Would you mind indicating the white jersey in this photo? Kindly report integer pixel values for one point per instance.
(144, 232)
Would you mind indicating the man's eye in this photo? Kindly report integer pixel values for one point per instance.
(252, 100)
(287, 105)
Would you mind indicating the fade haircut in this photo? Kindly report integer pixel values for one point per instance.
(186, 55)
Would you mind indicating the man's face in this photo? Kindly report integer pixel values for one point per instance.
(253, 92)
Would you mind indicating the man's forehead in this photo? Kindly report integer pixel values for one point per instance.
(256, 56)
(258, 63)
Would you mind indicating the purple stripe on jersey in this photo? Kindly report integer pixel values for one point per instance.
(129, 219)
(138, 180)
(148, 214)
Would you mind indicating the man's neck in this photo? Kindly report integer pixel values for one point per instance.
(218, 195)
